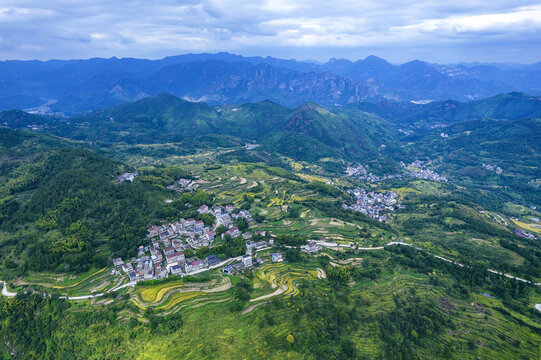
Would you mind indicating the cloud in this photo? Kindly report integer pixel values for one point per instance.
(526, 19)
(85, 28)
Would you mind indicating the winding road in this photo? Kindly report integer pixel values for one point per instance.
(7, 293)
(331, 245)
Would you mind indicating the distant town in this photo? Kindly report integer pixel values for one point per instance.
(416, 169)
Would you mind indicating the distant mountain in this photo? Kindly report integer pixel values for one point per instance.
(76, 86)
(220, 82)
(456, 138)
(166, 118)
(356, 134)
(510, 107)
(514, 146)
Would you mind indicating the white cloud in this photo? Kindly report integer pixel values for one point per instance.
(85, 28)
(520, 20)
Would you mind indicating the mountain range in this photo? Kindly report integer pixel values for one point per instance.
(78, 86)
(503, 129)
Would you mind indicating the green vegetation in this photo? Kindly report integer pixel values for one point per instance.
(64, 216)
(380, 309)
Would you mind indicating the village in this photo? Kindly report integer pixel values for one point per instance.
(166, 252)
(498, 170)
(416, 169)
(362, 173)
(373, 204)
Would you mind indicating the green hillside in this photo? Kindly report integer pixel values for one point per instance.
(65, 216)
(61, 207)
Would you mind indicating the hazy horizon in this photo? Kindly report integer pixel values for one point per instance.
(308, 60)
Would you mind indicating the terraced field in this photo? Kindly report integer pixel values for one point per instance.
(282, 279)
(95, 280)
(166, 296)
(536, 228)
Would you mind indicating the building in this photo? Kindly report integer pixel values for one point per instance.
(203, 209)
(132, 276)
(238, 267)
(118, 262)
(168, 251)
(260, 244)
(153, 231)
(176, 270)
(247, 260)
(127, 268)
(127, 177)
(277, 257)
(250, 245)
(199, 224)
(175, 257)
(195, 265)
(149, 274)
(312, 247)
(177, 245)
(213, 260)
(184, 182)
(228, 270)
(156, 258)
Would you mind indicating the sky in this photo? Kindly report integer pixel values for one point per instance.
(399, 31)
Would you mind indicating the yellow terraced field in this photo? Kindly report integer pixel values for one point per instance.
(80, 281)
(178, 298)
(530, 227)
(155, 293)
(281, 274)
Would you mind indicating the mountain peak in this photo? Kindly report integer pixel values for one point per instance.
(375, 60)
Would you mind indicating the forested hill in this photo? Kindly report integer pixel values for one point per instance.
(499, 130)
(61, 207)
(510, 106)
(166, 118)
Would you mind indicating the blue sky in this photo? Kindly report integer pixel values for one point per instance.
(431, 30)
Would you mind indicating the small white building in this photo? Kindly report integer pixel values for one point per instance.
(176, 269)
(118, 262)
(312, 247)
(247, 260)
(277, 257)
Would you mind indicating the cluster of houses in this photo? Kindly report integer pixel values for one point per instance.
(183, 185)
(372, 203)
(422, 173)
(524, 234)
(311, 247)
(419, 171)
(246, 262)
(127, 177)
(498, 170)
(362, 173)
(164, 254)
(251, 146)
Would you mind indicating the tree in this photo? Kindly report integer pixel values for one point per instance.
(290, 339)
(242, 224)
(221, 229)
(188, 253)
